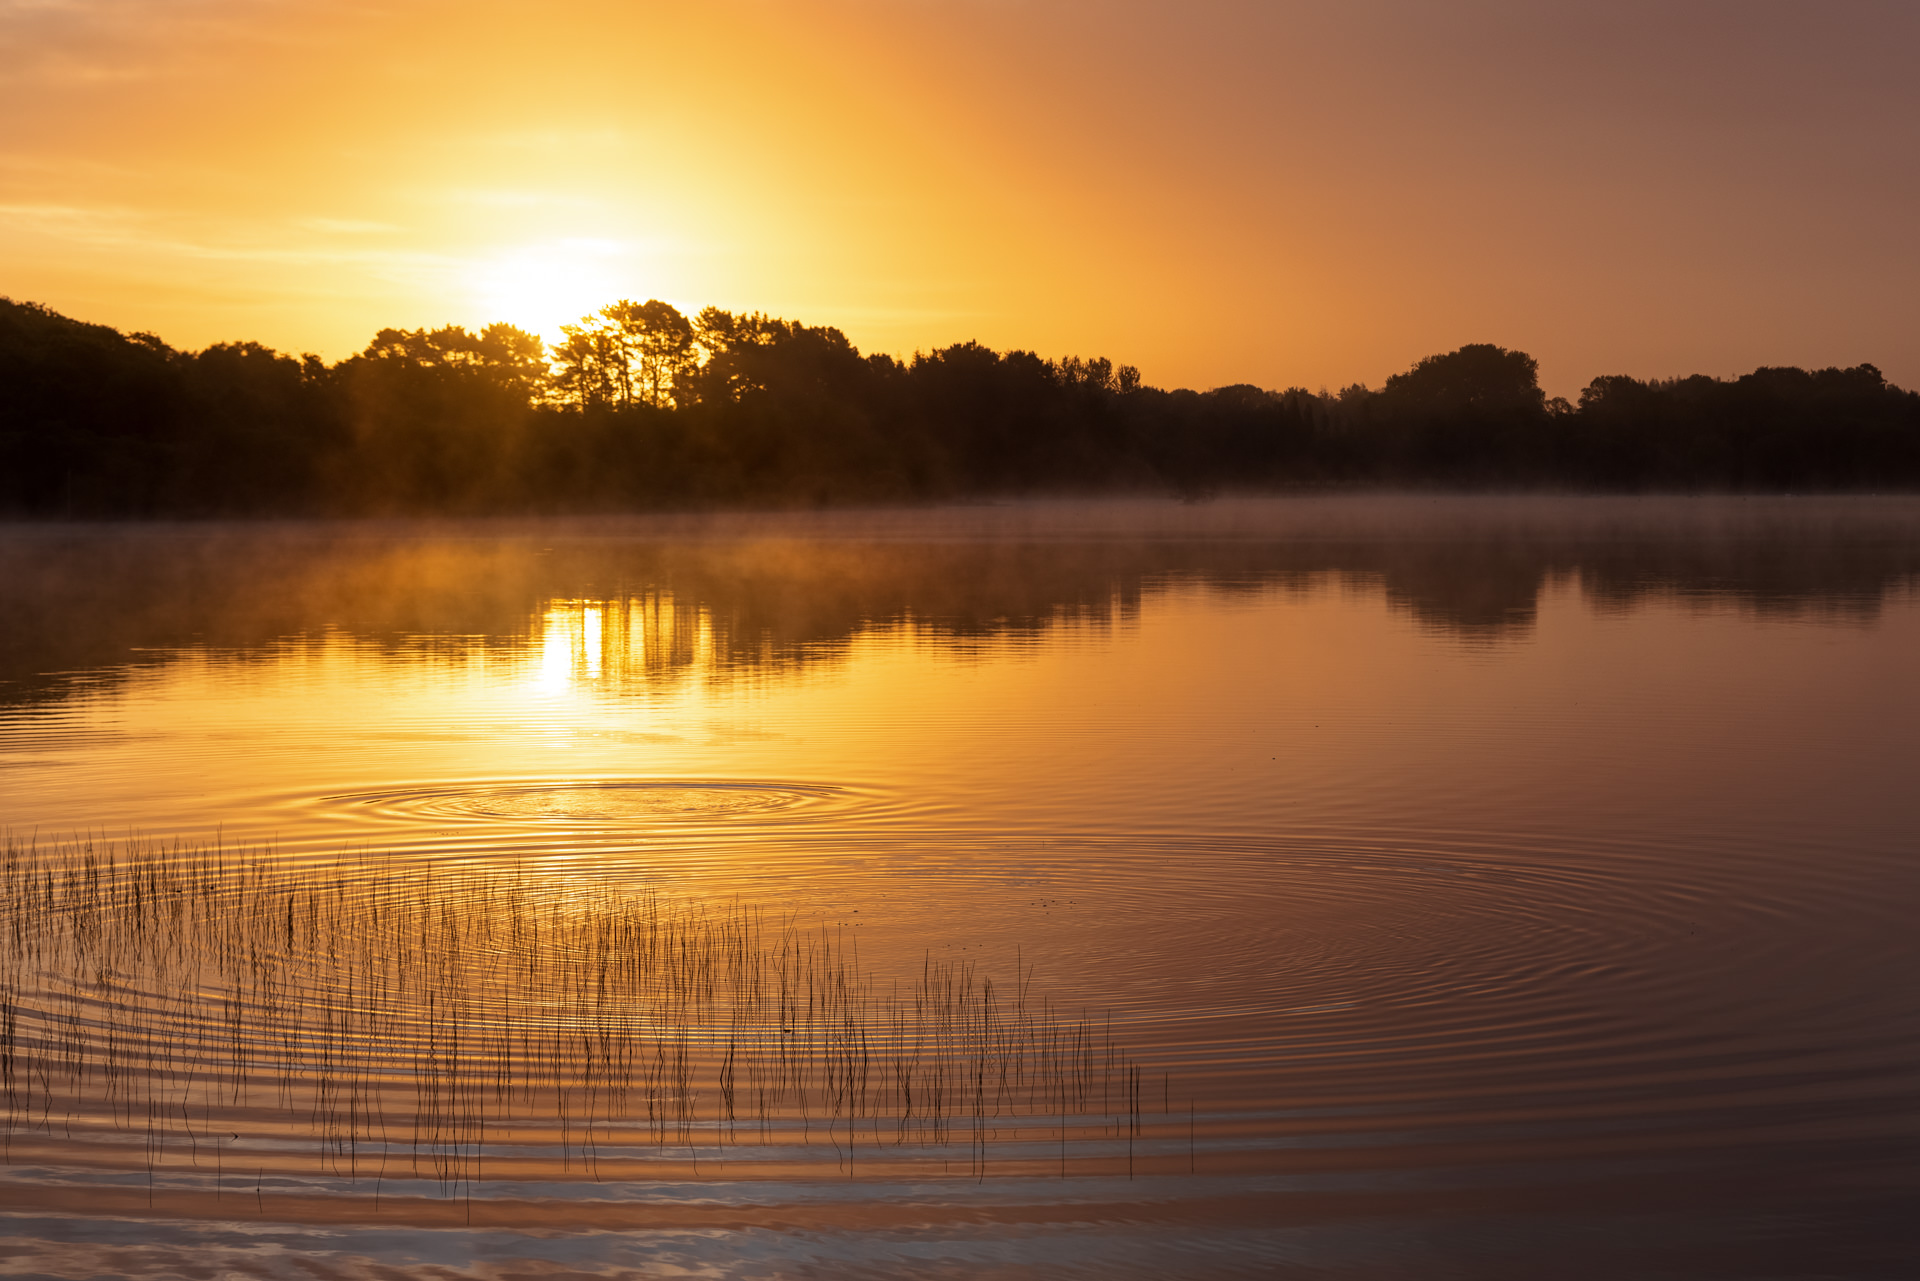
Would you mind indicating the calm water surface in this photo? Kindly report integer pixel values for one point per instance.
(1485, 887)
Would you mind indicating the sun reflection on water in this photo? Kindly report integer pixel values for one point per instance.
(623, 644)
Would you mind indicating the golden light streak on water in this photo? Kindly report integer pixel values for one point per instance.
(1539, 871)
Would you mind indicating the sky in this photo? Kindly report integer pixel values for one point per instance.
(1216, 191)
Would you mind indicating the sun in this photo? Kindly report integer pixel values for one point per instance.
(544, 286)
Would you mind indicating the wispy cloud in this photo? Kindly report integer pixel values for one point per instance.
(151, 236)
(346, 226)
(521, 198)
(82, 43)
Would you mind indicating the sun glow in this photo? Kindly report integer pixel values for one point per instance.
(542, 287)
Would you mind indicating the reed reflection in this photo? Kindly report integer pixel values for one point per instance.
(383, 1020)
(1368, 823)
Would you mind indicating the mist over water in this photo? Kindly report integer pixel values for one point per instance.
(1488, 886)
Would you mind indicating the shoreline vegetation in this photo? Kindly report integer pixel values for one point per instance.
(213, 1016)
(642, 409)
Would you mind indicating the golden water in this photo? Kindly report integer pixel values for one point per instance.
(1419, 886)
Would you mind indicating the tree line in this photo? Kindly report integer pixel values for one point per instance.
(642, 407)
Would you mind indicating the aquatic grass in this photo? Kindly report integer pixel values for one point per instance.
(384, 1017)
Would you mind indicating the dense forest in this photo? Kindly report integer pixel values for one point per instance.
(642, 407)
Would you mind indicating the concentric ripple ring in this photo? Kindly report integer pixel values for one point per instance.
(600, 802)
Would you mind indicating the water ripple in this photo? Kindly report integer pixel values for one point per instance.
(598, 802)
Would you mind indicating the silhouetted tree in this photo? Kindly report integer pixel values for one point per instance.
(1774, 428)
(641, 407)
(1478, 378)
(1474, 415)
(657, 342)
(435, 419)
(591, 368)
(90, 419)
(263, 428)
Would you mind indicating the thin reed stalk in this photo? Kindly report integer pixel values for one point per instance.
(475, 1013)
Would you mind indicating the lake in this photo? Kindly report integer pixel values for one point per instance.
(1397, 886)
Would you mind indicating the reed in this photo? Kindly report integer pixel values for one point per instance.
(391, 1018)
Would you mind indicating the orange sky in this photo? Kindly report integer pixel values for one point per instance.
(1216, 191)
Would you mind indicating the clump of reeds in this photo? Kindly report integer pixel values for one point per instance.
(456, 1017)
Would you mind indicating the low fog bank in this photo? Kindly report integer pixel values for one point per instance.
(81, 603)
